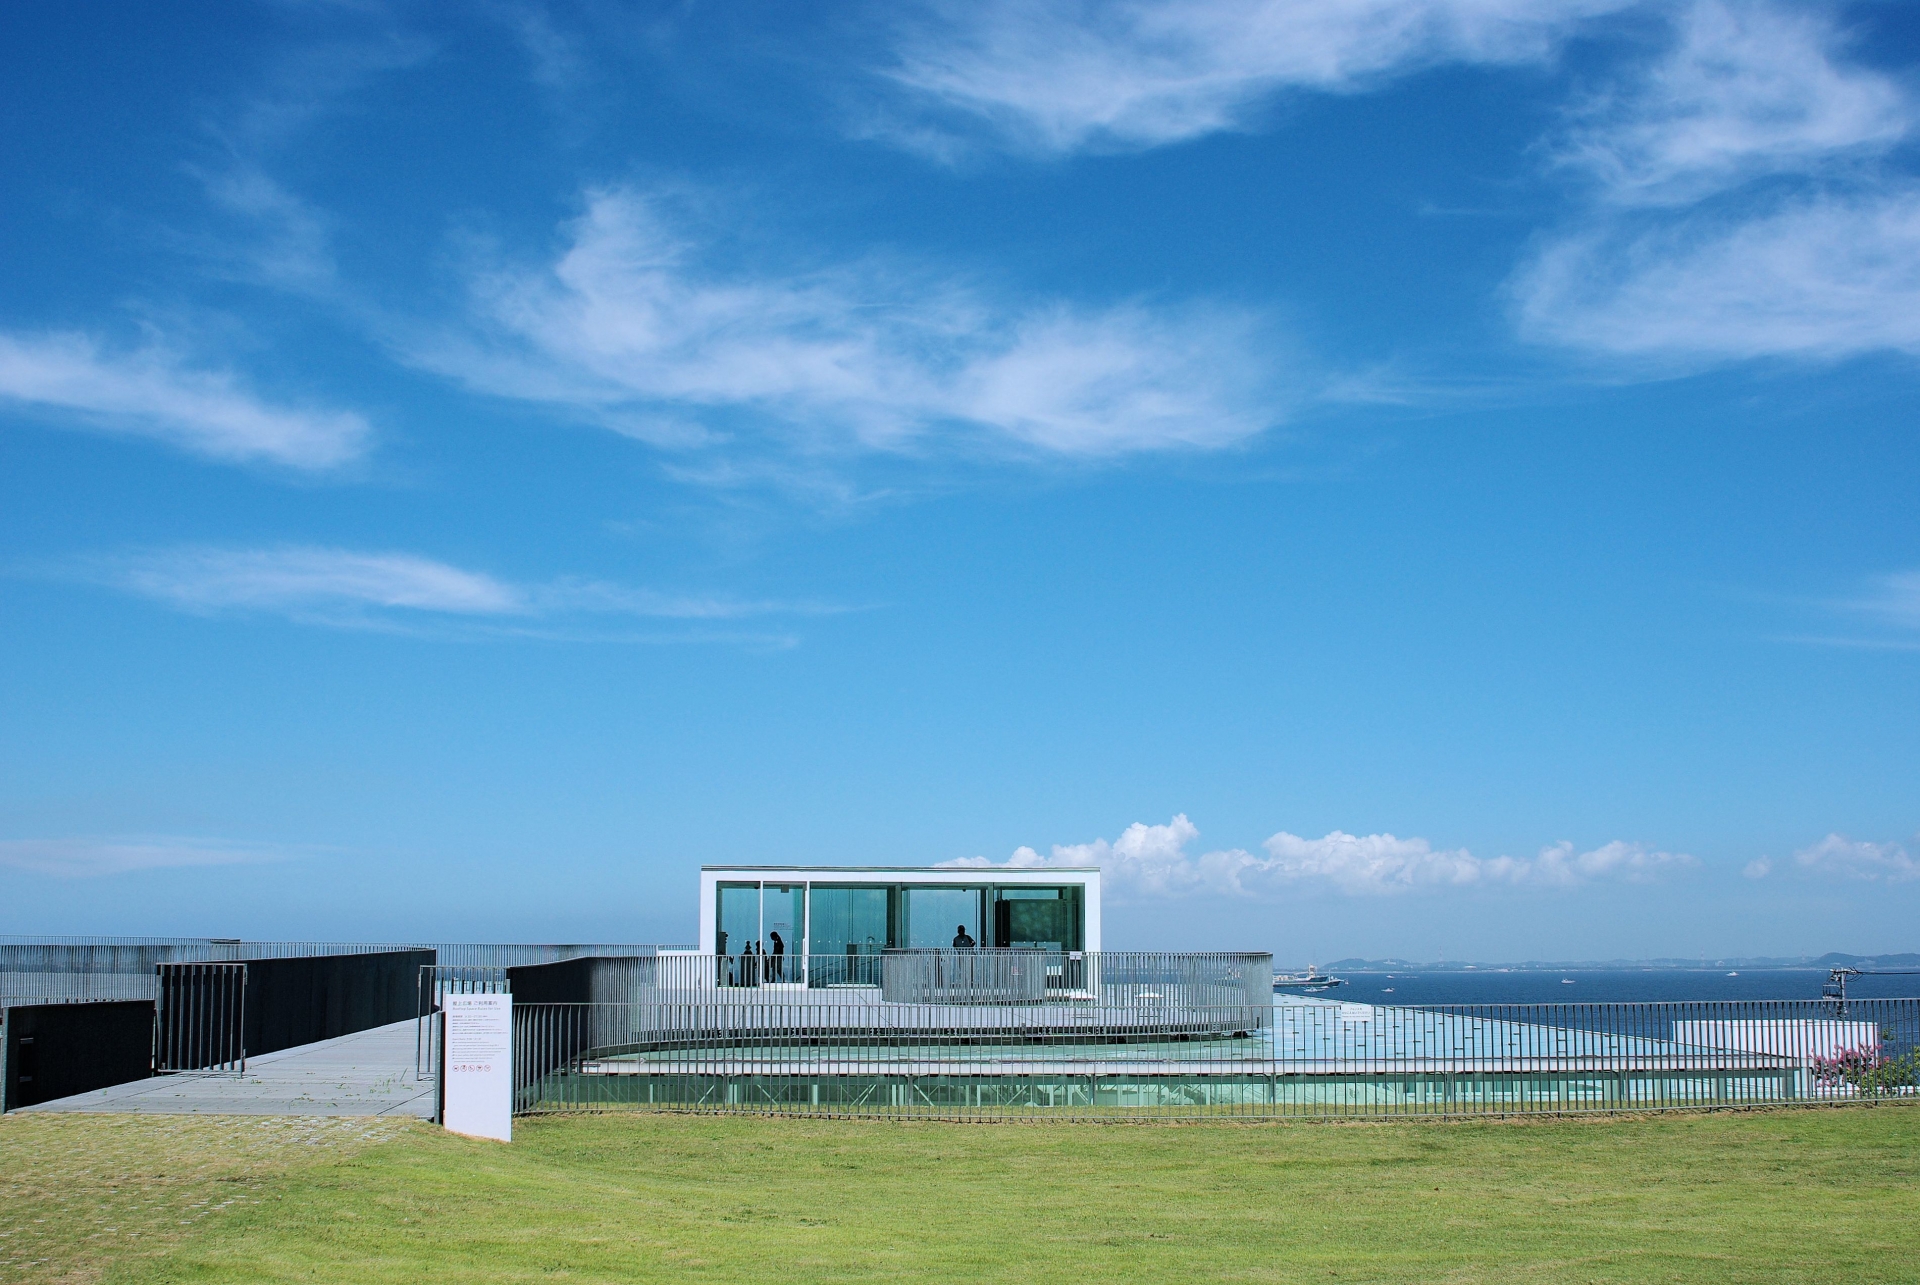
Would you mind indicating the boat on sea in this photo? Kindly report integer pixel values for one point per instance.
(1312, 981)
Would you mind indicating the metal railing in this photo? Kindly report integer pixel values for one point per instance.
(1128, 1053)
(437, 981)
(199, 1022)
(979, 975)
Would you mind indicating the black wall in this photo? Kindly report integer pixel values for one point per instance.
(591, 979)
(568, 982)
(300, 1000)
(54, 1050)
(545, 1039)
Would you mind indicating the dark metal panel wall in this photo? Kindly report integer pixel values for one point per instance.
(56, 1050)
(567, 982)
(297, 1001)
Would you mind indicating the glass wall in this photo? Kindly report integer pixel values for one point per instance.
(1038, 918)
(768, 933)
(761, 932)
(943, 918)
(851, 926)
(739, 917)
(783, 919)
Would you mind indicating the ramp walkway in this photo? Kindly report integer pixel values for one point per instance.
(370, 1072)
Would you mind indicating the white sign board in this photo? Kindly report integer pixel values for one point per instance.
(476, 1066)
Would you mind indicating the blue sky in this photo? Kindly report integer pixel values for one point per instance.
(1411, 477)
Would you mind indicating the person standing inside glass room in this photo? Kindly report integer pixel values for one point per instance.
(961, 939)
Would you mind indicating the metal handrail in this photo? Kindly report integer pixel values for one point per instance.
(860, 1054)
(200, 1018)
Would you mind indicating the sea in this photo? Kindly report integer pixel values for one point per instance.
(1622, 985)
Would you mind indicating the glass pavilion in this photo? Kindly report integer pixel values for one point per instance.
(828, 925)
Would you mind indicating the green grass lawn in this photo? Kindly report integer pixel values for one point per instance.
(1813, 1195)
(83, 1193)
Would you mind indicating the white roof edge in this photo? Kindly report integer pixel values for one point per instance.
(941, 870)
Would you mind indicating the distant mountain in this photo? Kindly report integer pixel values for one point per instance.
(1833, 959)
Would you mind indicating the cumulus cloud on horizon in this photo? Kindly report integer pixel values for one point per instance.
(1838, 856)
(1153, 861)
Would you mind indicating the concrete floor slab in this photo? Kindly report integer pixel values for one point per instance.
(367, 1073)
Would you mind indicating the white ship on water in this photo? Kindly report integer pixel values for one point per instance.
(1312, 981)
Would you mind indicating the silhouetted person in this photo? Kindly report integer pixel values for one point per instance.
(961, 941)
(778, 971)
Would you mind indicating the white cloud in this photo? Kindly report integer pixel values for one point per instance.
(79, 858)
(640, 325)
(298, 580)
(351, 589)
(1896, 599)
(558, 59)
(1856, 859)
(1382, 863)
(151, 393)
(284, 241)
(1687, 260)
(1152, 861)
(1890, 601)
(1146, 860)
(1746, 91)
(1375, 863)
(1758, 868)
(1819, 278)
(1741, 93)
(1056, 75)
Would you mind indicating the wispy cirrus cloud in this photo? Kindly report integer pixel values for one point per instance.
(75, 380)
(1743, 92)
(1740, 196)
(1819, 278)
(1893, 599)
(303, 581)
(642, 324)
(274, 237)
(265, 231)
(1153, 861)
(77, 858)
(345, 588)
(1055, 76)
(1745, 206)
(1883, 615)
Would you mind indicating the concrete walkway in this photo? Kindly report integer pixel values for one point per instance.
(367, 1073)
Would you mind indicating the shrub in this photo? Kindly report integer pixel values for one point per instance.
(1870, 1071)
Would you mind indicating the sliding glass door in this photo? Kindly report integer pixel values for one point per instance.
(761, 933)
(943, 918)
(851, 926)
